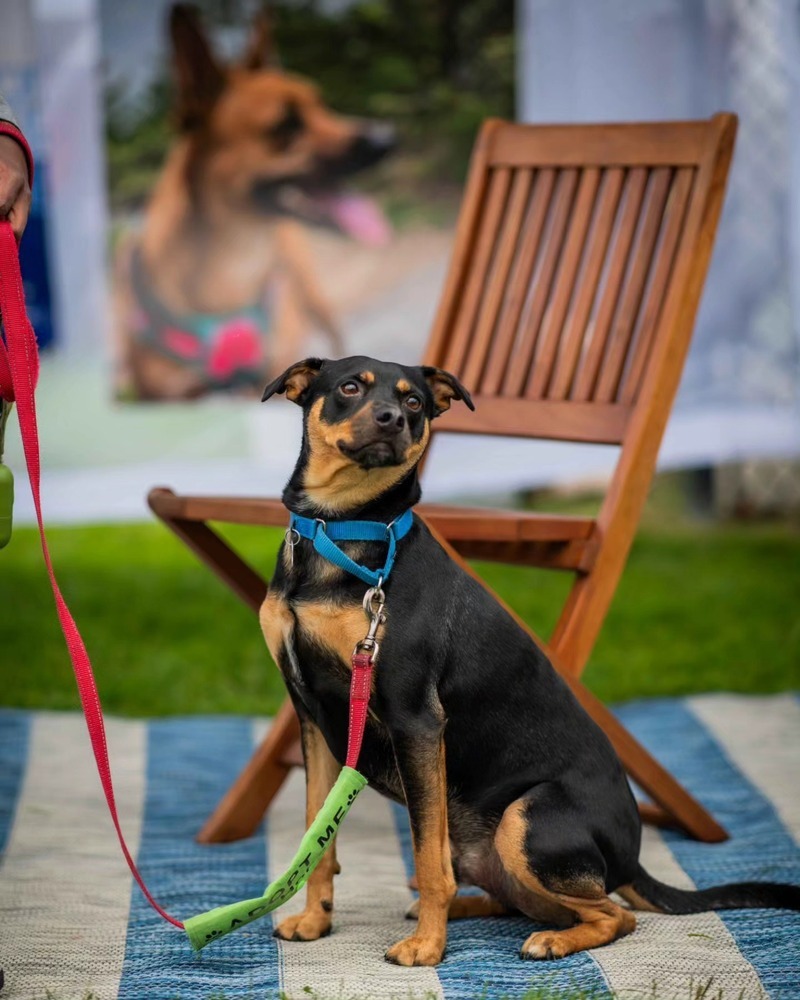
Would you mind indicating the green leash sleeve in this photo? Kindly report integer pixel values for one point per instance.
(213, 924)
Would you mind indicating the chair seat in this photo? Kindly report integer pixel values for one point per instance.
(558, 541)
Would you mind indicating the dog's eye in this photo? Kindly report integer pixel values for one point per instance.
(350, 389)
(282, 133)
(414, 403)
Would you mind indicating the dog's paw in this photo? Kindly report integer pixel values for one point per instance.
(543, 946)
(310, 925)
(415, 951)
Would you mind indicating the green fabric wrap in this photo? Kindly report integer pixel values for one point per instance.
(320, 835)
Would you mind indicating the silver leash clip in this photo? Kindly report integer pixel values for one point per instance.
(374, 602)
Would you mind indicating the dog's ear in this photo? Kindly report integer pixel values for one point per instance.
(261, 52)
(295, 380)
(200, 78)
(445, 387)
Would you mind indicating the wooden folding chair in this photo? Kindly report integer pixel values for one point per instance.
(579, 260)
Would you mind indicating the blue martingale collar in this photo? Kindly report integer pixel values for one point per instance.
(325, 534)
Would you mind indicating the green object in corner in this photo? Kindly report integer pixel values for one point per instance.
(6, 504)
(209, 926)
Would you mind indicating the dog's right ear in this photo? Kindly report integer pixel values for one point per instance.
(261, 52)
(296, 380)
(200, 78)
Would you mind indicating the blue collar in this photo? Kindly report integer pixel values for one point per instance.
(324, 535)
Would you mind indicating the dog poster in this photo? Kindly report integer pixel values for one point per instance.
(284, 182)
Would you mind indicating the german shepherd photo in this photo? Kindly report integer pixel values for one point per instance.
(218, 289)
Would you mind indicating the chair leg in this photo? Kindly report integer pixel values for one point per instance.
(244, 804)
(675, 802)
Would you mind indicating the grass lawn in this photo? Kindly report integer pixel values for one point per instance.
(701, 607)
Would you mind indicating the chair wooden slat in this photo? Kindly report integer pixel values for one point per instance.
(498, 277)
(549, 338)
(639, 267)
(610, 286)
(674, 215)
(587, 282)
(534, 309)
(519, 282)
(461, 333)
(551, 419)
(643, 144)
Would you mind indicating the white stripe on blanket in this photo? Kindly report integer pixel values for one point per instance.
(65, 887)
(673, 952)
(760, 737)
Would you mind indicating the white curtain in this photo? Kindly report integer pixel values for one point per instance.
(603, 60)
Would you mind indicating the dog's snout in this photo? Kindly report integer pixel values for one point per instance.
(389, 418)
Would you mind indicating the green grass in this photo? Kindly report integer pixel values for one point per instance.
(700, 607)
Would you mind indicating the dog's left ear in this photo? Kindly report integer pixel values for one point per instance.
(445, 387)
(296, 380)
(261, 52)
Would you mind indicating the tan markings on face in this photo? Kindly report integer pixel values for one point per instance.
(335, 482)
(367, 377)
(403, 385)
(599, 919)
(334, 626)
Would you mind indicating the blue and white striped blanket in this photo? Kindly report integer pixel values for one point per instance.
(72, 925)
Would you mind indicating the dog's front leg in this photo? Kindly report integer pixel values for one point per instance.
(321, 772)
(419, 751)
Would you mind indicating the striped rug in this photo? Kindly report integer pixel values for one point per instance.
(72, 927)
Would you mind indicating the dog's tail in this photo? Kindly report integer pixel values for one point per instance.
(647, 893)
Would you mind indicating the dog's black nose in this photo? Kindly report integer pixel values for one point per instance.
(389, 418)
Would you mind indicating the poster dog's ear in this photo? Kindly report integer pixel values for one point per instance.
(445, 387)
(296, 380)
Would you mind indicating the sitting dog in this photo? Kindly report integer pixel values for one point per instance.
(509, 784)
(216, 291)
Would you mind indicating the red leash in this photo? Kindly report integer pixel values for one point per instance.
(19, 372)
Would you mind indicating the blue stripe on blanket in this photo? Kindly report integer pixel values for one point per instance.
(760, 848)
(191, 763)
(14, 731)
(482, 957)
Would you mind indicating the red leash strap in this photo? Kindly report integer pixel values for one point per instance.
(360, 684)
(19, 371)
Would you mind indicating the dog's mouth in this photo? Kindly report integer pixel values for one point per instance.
(373, 454)
(354, 215)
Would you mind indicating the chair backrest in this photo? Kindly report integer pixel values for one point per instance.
(580, 256)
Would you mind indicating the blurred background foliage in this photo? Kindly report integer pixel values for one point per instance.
(435, 68)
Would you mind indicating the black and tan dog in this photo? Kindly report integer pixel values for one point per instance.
(509, 785)
(220, 286)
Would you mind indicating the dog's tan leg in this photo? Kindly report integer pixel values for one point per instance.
(421, 763)
(321, 772)
(297, 256)
(464, 907)
(598, 920)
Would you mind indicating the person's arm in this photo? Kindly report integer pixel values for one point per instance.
(16, 171)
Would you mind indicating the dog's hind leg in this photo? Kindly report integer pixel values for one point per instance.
(549, 856)
(464, 907)
(321, 772)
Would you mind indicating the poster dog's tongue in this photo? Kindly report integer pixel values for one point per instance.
(359, 217)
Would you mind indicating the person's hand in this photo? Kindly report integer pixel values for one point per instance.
(15, 191)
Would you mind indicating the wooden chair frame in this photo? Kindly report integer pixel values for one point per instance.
(629, 214)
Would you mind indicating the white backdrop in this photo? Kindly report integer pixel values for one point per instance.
(578, 60)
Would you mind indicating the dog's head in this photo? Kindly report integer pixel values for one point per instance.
(366, 424)
(262, 140)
